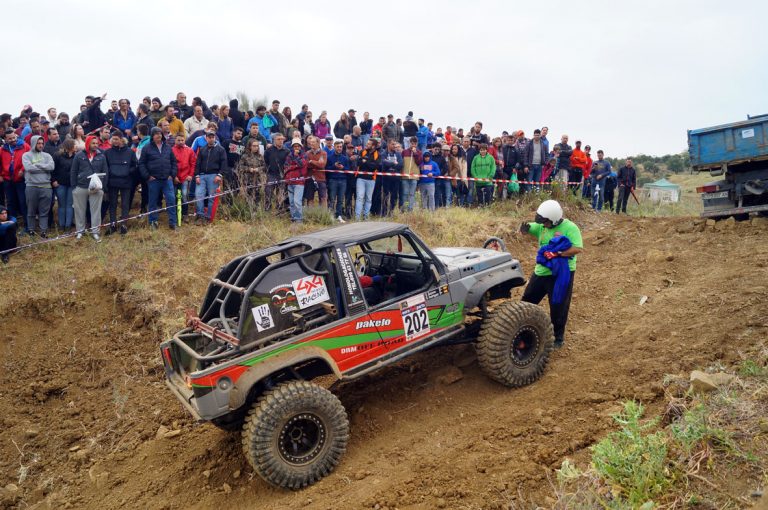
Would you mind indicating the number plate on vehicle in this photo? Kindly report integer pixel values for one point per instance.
(719, 194)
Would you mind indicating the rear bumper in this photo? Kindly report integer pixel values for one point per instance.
(185, 398)
(714, 213)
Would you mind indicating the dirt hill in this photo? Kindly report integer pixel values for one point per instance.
(82, 397)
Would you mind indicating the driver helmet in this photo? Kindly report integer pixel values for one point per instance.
(550, 210)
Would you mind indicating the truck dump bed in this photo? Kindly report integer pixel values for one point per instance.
(731, 144)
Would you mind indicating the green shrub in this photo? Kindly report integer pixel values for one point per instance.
(634, 458)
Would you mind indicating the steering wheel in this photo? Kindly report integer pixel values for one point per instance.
(362, 264)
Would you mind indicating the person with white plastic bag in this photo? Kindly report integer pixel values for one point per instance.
(88, 167)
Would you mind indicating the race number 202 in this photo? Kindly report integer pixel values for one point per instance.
(415, 317)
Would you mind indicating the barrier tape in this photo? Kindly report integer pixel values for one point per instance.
(269, 183)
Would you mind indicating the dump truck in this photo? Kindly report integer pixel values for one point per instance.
(738, 153)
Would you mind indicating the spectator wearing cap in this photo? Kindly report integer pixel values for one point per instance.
(158, 166)
(122, 167)
(7, 234)
(337, 181)
(391, 163)
(328, 147)
(410, 179)
(202, 140)
(210, 166)
(351, 113)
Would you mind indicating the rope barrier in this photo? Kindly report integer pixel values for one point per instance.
(269, 183)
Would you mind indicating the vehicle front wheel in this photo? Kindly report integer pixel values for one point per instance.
(295, 434)
(514, 343)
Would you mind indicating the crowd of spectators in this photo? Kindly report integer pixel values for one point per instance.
(182, 153)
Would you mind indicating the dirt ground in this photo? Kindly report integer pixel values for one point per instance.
(82, 394)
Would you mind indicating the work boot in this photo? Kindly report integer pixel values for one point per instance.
(123, 229)
(558, 342)
(5, 258)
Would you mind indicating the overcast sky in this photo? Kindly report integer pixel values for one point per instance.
(629, 77)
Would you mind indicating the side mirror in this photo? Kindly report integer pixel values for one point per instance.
(435, 272)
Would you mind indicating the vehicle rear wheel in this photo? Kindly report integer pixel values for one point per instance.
(514, 343)
(295, 434)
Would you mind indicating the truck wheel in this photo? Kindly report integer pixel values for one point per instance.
(295, 434)
(514, 343)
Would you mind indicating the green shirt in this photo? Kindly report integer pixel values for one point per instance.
(566, 228)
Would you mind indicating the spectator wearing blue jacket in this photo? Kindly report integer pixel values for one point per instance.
(264, 120)
(124, 119)
(422, 135)
(429, 170)
(599, 177)
(158, 166)
(337, 181)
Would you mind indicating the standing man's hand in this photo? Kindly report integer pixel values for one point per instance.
(197, 180)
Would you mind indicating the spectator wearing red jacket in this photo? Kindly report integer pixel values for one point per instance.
(12, 174)
(186, 159)
(578, 162)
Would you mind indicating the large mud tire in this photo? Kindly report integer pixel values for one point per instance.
(514, 343)
(295, 434)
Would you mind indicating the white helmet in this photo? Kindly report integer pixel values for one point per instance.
(551, 210)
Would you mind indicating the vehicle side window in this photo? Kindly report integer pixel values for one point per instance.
(393, 244)
(290, 298)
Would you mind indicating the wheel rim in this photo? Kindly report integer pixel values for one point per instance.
(525, 346)
(302, 439)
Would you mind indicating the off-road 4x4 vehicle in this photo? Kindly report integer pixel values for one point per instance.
(340, 303)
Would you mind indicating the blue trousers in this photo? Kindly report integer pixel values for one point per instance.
(162, 188)
(337, 188)
(16, 196)
(295, 196)
(65, 212)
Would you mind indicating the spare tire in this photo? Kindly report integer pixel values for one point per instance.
(494, 243)
(514, 343)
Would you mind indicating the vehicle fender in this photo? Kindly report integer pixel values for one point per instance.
(504, 279)
(256, 373)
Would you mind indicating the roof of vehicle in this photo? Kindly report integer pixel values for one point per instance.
(349, 233)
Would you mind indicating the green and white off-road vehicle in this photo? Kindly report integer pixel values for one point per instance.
(338, 304)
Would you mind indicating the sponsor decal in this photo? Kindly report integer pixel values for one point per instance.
(263, 317)
(310, 291)
(348, 275)
(284, 298)
(438, 291)
(372, 323)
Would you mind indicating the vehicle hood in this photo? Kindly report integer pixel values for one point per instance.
(471, 259)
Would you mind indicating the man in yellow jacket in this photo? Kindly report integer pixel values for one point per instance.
(176, 125)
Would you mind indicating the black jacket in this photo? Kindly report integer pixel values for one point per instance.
(62, 166)
(275, 159)
(52, 148)
(158, 163)
(564, 160)
(123, 167)
(185, 111)
(211, 160)
(510, 156)
(627, 177)
(238, 119)
(82, 168)
(93, 117)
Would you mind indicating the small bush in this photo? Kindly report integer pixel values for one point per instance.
(694, 430)
(633, 459)
(318, 215)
